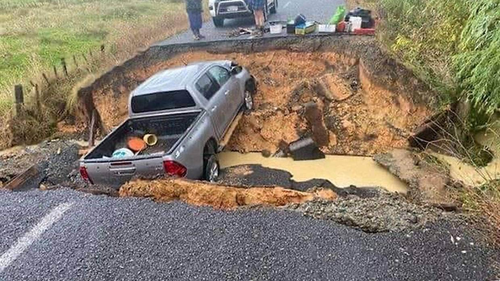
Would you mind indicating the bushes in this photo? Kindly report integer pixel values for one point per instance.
(452, 45)
(477, 63)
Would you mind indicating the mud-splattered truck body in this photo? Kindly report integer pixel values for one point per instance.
(188, 109)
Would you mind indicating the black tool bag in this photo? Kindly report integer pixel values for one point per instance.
(365, 15)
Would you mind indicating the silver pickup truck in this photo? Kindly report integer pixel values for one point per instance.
(188, 109)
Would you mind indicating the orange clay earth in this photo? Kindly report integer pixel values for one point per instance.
(219, 196)
(355, 117)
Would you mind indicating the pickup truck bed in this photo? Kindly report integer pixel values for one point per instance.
(168, 128)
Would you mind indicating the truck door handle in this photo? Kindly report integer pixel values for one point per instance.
(214, 108)
(226, 93)
(124, 171)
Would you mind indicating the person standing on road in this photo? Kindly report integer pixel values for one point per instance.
(194, 10)
(258, 12)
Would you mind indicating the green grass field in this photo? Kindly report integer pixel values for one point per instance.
(36, 34)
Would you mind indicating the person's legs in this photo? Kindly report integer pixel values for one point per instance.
(194, 24)
(199, 23)
(256, 17)
(259, 18)
(259, 22)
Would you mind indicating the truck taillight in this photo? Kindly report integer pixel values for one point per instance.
(173, 168)
(85, 175)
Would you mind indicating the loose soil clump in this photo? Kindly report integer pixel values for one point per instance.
(429, 179)
(218, 196)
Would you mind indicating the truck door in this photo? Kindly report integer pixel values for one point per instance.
(229, 87)
(210, 90)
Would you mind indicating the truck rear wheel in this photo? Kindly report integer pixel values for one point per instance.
(210, 163)
(218, 22)
(212, 169)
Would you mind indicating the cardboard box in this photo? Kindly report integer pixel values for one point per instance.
(326, 28)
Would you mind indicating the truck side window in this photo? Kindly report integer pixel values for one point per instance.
(207, 87)
(220, 74)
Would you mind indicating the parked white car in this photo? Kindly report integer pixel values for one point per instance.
(230, 9)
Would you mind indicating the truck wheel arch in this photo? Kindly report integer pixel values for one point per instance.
(209, 159)
(251, 85)
(210, 146)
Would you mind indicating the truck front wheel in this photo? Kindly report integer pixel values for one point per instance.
(218, 22)
(248, 100)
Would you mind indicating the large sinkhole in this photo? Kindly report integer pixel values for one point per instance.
(344, 92)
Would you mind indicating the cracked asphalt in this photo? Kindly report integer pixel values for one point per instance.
(106, 238)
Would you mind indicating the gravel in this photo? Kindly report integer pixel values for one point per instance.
(57, 161)
(103, 238)
(388, 212)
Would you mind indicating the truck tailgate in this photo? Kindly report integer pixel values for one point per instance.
(115, 172)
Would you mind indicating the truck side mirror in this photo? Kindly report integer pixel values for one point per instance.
(235, 70)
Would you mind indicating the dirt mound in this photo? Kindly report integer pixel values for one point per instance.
(219, 196)
(381, 214)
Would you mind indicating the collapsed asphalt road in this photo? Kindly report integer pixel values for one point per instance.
(314, 10)
(101, 238)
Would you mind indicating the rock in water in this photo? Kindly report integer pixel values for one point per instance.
(305, 149)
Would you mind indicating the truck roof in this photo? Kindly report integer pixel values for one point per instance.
(172, 79)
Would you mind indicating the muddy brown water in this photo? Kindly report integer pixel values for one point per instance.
(476, 176)
(342, 171)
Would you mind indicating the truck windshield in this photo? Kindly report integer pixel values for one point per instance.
(162, 101)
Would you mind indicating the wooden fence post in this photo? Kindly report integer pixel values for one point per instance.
(46, 78)
(91, 129)
(19, 99)
(38, 101)
(65, 68)
(75, 61)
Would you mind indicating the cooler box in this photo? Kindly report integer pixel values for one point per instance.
(306, 28)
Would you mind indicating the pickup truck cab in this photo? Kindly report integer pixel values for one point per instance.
(230, 9)
(188, 109)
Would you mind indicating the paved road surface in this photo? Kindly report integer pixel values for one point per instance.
(319, 10)
(67, 235)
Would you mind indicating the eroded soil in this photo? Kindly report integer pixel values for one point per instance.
(351, 115)
(219, 196)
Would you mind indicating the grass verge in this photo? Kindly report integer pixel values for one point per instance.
(453, 46)
(37, 34)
